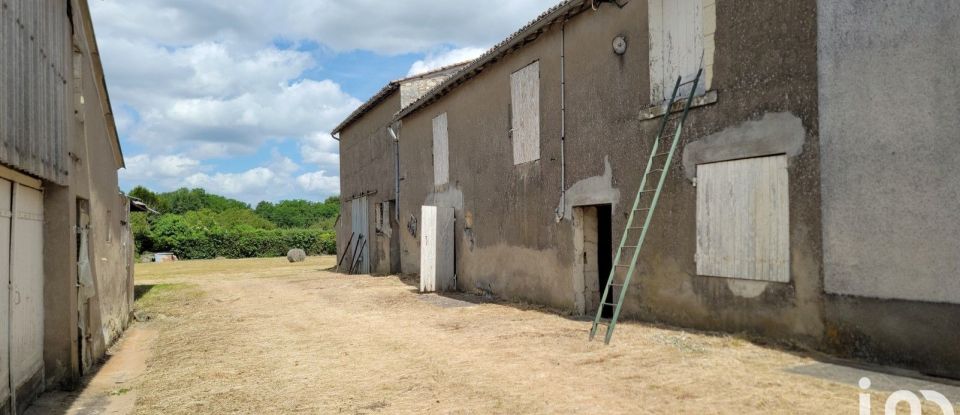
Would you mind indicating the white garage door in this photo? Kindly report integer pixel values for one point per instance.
(21, 265)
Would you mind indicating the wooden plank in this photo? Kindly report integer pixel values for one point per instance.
(743, 226)
(441, 151)
(34, 110)
(525, 100)
(6, 49)
(6, 214)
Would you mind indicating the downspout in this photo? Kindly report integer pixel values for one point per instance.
(561, 210)
(394, 131)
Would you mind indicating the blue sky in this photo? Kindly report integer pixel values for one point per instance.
(239, 97)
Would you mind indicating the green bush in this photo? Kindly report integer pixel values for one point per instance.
(194, 224)
(240, 242)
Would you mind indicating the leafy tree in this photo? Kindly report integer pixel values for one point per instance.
(140, 227)
(195, 224)
(298, 213)
(188, 200)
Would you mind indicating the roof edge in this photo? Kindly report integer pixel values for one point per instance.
(527, 34)
(387, 90)
(376, 99)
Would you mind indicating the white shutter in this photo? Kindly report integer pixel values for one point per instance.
(676, 45)
(441, 151)
(743, 224)
(525, 99)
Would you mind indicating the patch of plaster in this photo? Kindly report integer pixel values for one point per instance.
(775, 133)
(746, 288)
(597, 190)
(451, 196)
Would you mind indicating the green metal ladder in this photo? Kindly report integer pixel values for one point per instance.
(645, 204)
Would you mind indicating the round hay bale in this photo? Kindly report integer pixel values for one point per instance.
(296, 255)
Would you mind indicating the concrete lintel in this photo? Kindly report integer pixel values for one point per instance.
(775, 133)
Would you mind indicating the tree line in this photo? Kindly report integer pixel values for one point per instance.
(195, 224)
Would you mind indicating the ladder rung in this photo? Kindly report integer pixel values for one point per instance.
(688, 83)
(616, 285)
(641, 209)
(655, 170)
(661, 154)
(621, 266)
(610, 304)
(648, 191)
(630, 246)
(636, 227)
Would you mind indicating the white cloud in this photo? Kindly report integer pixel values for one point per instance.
(259, 181)
(319, 182)
(439, 60)
(320, 149)
(198, 83)
(219, 103)
(146, 167)
(389, 27)
(267, 183)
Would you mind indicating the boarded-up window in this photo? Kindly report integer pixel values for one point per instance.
(525, 113)
(677, 44)
(743, 224)
(441, 151)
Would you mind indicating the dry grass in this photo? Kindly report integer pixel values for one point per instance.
(266, 336)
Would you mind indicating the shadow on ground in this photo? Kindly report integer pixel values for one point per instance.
(826, 367)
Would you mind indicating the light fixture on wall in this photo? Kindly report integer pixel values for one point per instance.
(620, 45)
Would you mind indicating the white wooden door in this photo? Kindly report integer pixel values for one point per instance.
(26, 284)
(6, 214)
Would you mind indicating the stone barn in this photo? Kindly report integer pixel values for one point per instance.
(65, 246)
(812, 199)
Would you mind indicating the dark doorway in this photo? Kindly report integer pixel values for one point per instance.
(605, 250)
(593, 225)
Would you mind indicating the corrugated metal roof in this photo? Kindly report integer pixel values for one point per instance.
(385, 92)
(517, 40)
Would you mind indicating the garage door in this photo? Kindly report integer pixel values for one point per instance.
(21, 266)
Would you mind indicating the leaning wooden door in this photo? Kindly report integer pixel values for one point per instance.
(26, 285)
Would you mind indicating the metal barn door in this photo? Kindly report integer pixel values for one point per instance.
(359, 215)
(26, 284)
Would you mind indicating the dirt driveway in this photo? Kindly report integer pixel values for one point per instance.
(265, 336)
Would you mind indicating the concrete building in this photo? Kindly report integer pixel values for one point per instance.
(814, 196)
(65, 246)
(369, 185)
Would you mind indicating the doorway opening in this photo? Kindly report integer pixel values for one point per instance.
(594, 243)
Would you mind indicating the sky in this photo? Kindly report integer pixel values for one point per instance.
(239, 97)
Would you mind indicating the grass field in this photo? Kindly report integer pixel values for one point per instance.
(264, 336)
